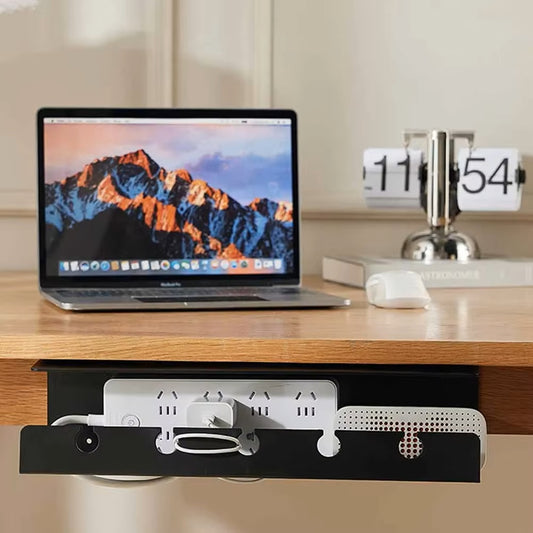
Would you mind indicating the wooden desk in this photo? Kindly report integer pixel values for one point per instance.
(492, 328)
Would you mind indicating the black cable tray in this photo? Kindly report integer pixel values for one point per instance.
(369, 455)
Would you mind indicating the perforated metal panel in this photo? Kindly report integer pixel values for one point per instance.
(412, 421)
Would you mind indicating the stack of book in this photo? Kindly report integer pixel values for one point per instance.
(490, 272)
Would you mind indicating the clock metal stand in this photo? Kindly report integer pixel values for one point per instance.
(439, 178)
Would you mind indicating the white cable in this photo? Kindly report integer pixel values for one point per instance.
(133, 482)
(138, 481)
(197, 451)
(86, 420)
(242, 480)
(210, 422)
(71, 419)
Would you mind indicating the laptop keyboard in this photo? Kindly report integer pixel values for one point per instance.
(221, 293)
(210, 298)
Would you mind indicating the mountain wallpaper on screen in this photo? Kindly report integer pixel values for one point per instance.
(129, 207)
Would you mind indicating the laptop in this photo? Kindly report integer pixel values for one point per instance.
(170, 209)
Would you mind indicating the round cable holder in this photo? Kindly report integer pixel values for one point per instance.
(210, 436)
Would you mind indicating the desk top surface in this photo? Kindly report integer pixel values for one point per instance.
(491, 327)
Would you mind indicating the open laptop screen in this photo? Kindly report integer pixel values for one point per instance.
(179, 196)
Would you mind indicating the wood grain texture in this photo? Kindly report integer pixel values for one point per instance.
(490, 327)
(22, 394)
(506, 399)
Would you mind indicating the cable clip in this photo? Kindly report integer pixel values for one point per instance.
(215, 451)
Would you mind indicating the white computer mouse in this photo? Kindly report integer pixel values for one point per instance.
(401, 289)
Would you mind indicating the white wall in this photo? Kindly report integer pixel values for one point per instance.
(68, 53)
(63, 53)
(358, 72)
(361, 71)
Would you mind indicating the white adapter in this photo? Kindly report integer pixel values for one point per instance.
(220, 414)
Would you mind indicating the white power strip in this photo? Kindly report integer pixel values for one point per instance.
(414, 420)
(244, 404)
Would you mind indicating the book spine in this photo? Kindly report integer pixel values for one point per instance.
(482, 273)
(344, 272)
(479, 275)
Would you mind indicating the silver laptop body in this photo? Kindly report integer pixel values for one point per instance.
(170, 209)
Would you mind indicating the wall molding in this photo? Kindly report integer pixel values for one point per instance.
(374, 215)
(17, 200)
(18, 213)
(262, 80)
(161, 53)
(390, 215)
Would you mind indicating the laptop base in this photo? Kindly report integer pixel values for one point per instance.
(234, 298)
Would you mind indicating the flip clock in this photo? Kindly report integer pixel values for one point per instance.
(479, 179)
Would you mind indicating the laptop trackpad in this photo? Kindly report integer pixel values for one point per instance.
(189, 299)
